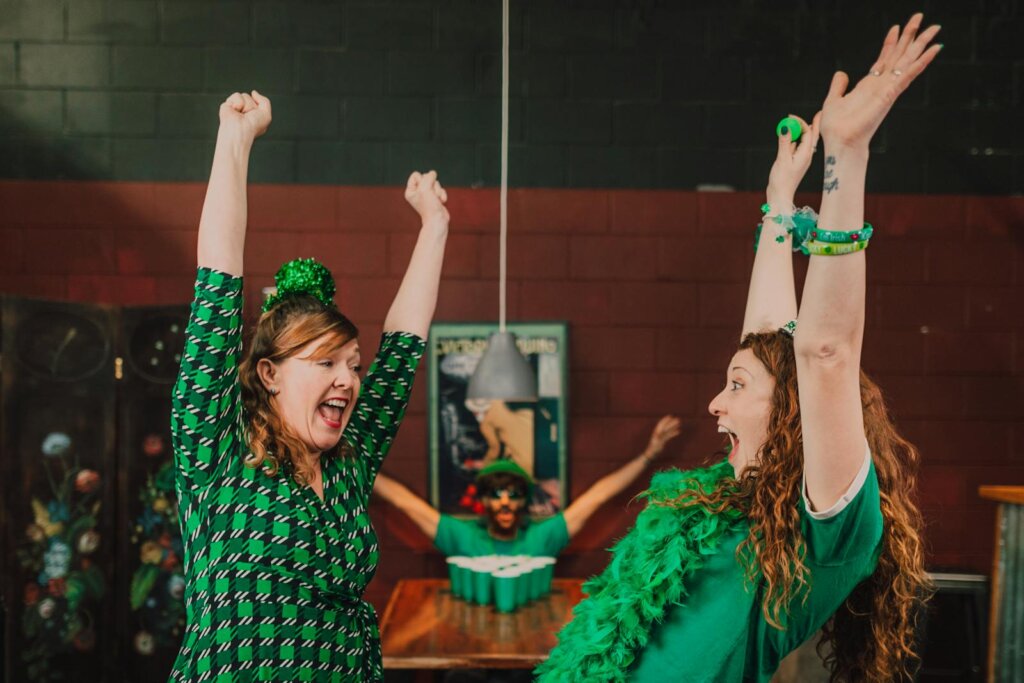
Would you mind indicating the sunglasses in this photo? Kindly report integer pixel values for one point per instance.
(513, 494)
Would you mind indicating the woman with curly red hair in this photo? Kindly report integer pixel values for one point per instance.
(810, 524)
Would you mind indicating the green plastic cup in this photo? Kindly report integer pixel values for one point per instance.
(505, 588)
(538, 586)
(523, 585)
(482, 588)
(465, 570)
(547, 571)
(455, 575)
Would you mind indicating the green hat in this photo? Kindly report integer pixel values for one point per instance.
(505, 466)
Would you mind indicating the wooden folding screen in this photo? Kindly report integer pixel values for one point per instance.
(90, 554)
(150, 603)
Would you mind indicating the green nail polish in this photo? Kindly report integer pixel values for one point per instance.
(941, 45)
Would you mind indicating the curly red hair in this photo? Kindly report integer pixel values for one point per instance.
(872, 635)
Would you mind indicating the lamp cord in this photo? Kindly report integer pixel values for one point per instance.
(502, 254)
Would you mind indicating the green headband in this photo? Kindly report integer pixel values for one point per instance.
(302, 276)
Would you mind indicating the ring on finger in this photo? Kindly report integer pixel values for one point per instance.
(876, 72)
(897, 72)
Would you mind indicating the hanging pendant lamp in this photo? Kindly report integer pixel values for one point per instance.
(503, 373)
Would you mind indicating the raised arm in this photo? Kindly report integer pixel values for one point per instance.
(771, 299)
(830, 333)
(413, 307)
(609, 486)
(415, 508)
(243, 118)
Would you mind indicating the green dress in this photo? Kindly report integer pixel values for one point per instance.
(274, 574)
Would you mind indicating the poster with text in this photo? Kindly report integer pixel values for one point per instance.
(467, 435)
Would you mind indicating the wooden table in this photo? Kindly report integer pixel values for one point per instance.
(426, 627)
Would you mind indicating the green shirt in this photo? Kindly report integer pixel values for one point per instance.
(275, 575)
(719, 632)
(469, 538)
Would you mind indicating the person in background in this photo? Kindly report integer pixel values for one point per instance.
(503, 488)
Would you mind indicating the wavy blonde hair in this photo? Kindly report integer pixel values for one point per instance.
(280, 333)
(872, 635)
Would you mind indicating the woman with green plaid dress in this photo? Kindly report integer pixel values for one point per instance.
(276, 452)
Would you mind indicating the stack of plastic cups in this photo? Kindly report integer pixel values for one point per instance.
(508, 582)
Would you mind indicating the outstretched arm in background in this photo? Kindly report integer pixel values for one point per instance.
(606, 488)
(418, 510)
(830, 334)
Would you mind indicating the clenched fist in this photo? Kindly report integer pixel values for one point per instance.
(425, 194)
(248, 114)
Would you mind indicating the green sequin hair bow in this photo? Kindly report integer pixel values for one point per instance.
(302, 276)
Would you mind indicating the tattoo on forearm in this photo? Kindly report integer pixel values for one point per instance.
(831, 181)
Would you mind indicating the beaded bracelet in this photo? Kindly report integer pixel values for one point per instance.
(842, 236)
(799, 224)
(814, 248)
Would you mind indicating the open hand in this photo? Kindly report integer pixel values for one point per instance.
(247, 113)
(792, 162)
(425, 194)
(663, 432)
(850, 119)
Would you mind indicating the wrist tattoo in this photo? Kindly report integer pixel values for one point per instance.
(831, 181)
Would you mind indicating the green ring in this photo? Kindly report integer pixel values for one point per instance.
(790, 125)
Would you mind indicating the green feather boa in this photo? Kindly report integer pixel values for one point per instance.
(647, 573)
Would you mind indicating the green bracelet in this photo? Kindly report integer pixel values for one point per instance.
(798, 224)
(842, 236)
(813, 248)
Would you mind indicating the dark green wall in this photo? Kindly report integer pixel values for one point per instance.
(634, 93)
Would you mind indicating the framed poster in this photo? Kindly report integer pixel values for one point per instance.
(468, 435)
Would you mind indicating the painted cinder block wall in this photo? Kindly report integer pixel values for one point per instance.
(652, 284)
(107, 119)
(605, 93)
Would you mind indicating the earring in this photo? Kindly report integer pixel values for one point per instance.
(274, 391)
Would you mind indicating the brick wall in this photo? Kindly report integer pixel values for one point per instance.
(644, 93)
(652, 284)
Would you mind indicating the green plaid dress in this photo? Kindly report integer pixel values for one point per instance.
(274, 574)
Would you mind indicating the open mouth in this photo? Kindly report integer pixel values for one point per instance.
(733, 440)
(331, 412)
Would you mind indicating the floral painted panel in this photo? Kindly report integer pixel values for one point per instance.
(59, 489)
(151, 596)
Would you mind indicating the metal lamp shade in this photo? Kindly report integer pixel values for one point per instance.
(502, 372)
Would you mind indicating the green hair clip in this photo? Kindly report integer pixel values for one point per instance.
(302, 276)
